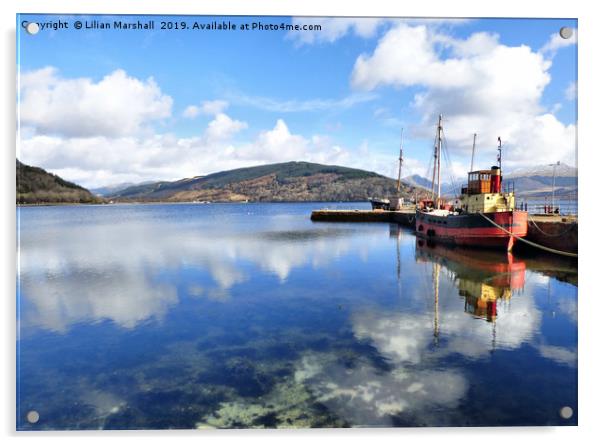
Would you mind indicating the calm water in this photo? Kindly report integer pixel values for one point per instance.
(250, 315)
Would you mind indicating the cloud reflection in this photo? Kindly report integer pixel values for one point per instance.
(365, 395)
(84, 273)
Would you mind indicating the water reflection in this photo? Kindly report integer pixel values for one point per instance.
(160, 317)
(89, 273)
(418, 347)
(365, 394)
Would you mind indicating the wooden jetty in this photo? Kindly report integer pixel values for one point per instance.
(552, 231)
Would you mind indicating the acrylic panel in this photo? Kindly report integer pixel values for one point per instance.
(217, 222)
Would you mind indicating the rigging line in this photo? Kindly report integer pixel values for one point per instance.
(428, 170)
(448, 160)
(539, 246)
(550, 234)
(432, 159)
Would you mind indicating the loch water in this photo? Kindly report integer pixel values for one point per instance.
(251, 315)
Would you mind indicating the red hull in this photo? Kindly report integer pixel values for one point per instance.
(472, 229)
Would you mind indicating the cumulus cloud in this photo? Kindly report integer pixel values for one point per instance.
(107, 136)
(165, 156)
(222, 127)
(117, 105)
(478, 84)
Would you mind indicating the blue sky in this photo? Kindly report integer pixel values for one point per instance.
(292, 96)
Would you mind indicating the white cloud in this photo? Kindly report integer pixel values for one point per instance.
(117, 105)
(222, 127)
(280, 145)
(571, 91)
(333, 28)
(413, 166)
(406, 56)
(191, 111)
(295, 106)
(478, 84)
(555, 42)
(210, 107)
(107, 138)
(165, 156)
(213, 107)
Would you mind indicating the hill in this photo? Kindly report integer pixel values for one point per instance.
(289, 181)
(113, 189)
(36, 186)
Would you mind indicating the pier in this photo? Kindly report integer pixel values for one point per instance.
(553, 231)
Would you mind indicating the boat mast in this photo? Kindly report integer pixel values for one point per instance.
(400, 163)
(499, 153)
(439, 131)
(474, 143)
(434, 170)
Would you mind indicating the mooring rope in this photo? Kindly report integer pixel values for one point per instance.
(539, 246)
(550, 234)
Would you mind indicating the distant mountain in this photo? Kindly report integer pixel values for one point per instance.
(539, 181)
(532, 182)
(562, 170)
(37, 186)
(417, 181)
(421, 181)
(112, 189)
(289, 181)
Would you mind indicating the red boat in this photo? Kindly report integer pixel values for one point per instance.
(483, 216)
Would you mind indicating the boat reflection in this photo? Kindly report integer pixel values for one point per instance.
(483, 278)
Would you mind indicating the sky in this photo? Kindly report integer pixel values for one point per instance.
(106, 106)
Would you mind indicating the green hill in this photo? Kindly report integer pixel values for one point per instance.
(290, 181)
(37, 186)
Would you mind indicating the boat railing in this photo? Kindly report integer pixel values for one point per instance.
(565, 207)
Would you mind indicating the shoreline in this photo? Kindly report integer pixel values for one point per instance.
(58, 204)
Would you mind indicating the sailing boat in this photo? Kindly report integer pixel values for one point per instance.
(483, 216)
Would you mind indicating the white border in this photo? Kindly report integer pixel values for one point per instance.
(590, 146)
